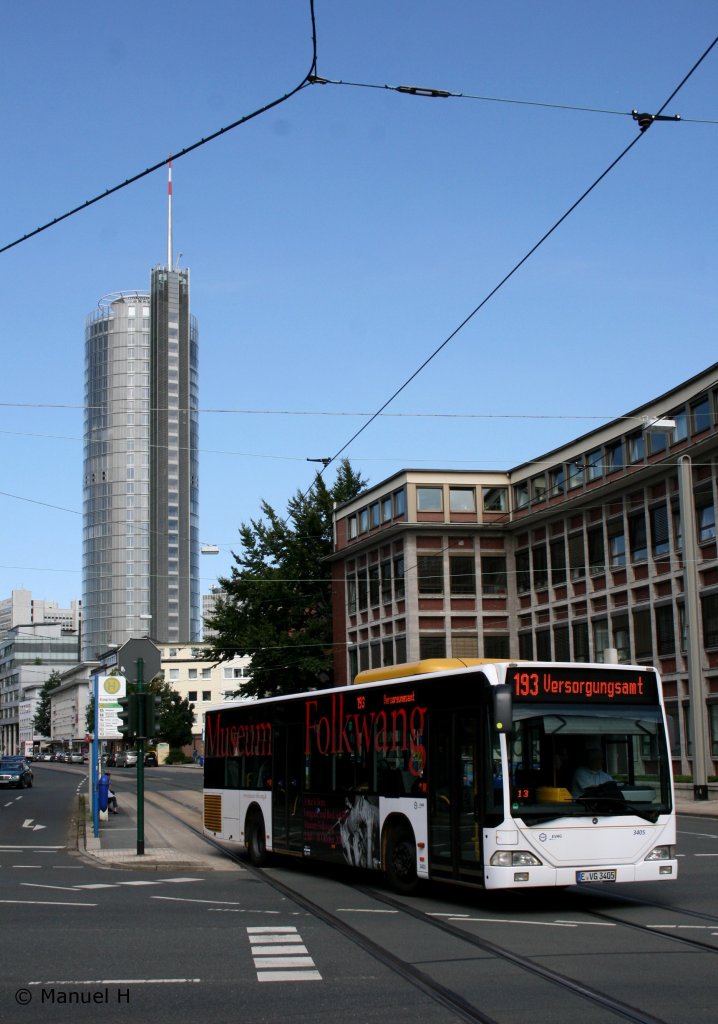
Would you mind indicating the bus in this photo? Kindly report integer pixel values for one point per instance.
(461, 772)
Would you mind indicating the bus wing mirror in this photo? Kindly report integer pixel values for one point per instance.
(502, 707)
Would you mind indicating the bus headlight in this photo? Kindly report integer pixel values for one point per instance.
(662, 853)
(514, 859)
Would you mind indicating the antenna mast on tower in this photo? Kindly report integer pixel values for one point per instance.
(169, 217)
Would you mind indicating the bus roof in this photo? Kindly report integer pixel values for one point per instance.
(424, 667)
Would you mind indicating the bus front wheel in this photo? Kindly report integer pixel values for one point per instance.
(256, 840)
(401, 859)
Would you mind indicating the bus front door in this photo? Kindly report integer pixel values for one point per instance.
(455, 788)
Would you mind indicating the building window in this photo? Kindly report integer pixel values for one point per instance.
(596, 554)
(659, 529)
(399, 579)
(400, 649)
(431, 574)
(540, 567)
(521, 494)
(706, 517)
(362, 590)
(616, 545)
(493, 574)
(386, 509)
(657, 442)
(523, 572)
(575, 473)
(429, 499)
(543, 645)
(496, 647)
(665, 634)
(538, 488)
(364, 520)
(701, 416)
(206, 695)
(387, 651)
(557, 479)
(464, 646)
(192, 696)
(614, 457)
(386, 583)
(373, 585)
(192, 673)
(580, 641)
(495, 499)
(561, 648)
(206, 673)
(432, 647)
(462, 570)
(594, 464)
(621, 638)
(462, 499)
(636, 447)
(399, 502)
(352, 531)
(709, 605)
(526, 647)
(600, 638)
(637, 537)
(680, 432)
(576, 556)
(374, 512)
(174, 673)
(351, 594)
(642, 642)
(558, 562)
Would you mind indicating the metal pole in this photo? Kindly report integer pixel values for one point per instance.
(93, 757)
(140, 761)
(693, 646)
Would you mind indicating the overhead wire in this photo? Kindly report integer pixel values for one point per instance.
(517, 266)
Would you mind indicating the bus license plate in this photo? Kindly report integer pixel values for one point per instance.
(607, 875)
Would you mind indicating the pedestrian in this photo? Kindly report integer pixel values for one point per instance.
(111, 798)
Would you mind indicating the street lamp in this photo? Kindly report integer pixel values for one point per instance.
(696, 694)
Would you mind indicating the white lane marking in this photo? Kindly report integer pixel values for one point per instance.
(462, 918)
(35, 847)
(361, 910)
(39, 885)
(288, 976)
(180, 899)
(27, 867)
(187, 879)
(28, 823)
(275, 950)
(121, 981)
(47, 903)
(280, 955)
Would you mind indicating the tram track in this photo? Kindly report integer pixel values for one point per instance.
(449, 999)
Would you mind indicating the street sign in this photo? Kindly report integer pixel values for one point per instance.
(109, 690)
(143, 648)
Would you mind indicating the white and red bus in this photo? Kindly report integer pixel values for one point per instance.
(459, 771)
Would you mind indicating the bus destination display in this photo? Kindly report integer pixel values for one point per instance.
(573, 685)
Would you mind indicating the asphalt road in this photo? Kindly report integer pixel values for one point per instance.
(299, 944)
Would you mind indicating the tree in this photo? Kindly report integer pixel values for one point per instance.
(276, 606)
(175, 717)
(42, 722)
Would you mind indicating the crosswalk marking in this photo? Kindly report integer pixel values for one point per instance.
(109, 885)
(280, 955)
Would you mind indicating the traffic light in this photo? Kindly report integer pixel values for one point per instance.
(128, 716)
(152, 703)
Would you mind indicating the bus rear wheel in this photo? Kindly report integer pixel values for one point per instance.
(256, 840)
(401, 859)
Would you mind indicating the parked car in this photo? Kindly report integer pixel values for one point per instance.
(77, 757)
(126, 759)
(151, 759)
(14, 771)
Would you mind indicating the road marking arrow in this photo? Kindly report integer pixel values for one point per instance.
(28, 823)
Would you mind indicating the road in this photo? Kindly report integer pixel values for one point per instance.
(293, 943)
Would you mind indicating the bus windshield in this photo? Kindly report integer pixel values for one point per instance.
(565, 763)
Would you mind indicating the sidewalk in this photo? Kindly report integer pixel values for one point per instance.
(167, 842)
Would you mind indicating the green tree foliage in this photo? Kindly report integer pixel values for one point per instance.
(41, 722)
(276, 606)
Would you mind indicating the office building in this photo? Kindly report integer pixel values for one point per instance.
(141, 478)
(603, 549)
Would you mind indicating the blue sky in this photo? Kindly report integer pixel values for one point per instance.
(336, 241)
